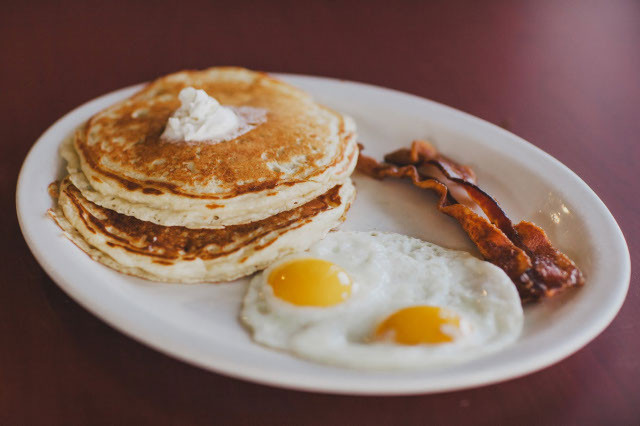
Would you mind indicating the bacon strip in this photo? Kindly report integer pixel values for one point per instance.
(523, 251)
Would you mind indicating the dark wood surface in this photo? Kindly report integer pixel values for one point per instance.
(564, 75)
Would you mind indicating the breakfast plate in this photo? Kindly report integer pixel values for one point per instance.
(199, 324)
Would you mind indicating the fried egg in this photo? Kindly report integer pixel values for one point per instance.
(382, 301)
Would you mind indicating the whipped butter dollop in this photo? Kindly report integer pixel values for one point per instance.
(201, 118)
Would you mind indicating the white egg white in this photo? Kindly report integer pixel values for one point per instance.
(389, 272)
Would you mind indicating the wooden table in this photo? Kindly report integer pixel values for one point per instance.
(564, 75)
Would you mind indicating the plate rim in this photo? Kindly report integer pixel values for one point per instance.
(138, 332)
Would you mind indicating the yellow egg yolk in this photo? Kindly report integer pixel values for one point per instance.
(418, 325)
(310, 282)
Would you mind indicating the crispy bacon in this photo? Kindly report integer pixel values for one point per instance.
(523, 251)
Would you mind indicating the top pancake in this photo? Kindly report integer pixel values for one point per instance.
(122, 155)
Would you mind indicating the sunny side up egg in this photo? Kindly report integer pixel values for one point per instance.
(383, 301)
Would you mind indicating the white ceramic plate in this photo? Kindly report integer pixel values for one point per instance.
(198, 323)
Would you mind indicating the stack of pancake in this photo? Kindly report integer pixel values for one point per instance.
(200, 211)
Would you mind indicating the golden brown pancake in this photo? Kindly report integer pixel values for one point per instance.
(301, 151)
